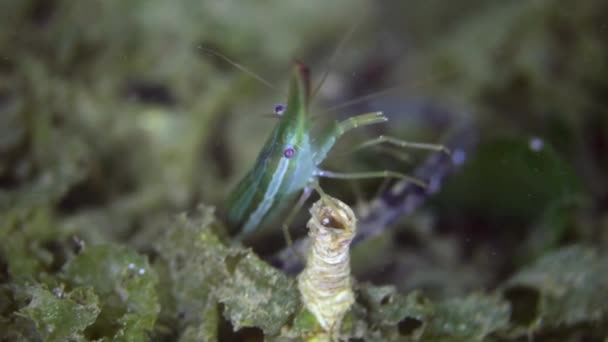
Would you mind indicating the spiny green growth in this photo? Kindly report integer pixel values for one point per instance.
(204, 272)
(562, 289)
(61, 316)
(125, 284)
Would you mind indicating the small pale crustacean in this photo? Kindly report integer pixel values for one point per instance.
(326, 284)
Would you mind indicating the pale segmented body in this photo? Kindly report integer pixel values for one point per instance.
(326, 284)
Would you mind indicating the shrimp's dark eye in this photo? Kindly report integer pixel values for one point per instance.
(279, 109)
(289, 152)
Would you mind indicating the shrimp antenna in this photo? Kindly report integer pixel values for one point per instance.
(360, 99)
(376, 94)
(336, 52)
(240, 67)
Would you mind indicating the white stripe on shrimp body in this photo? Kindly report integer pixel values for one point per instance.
(266, 204)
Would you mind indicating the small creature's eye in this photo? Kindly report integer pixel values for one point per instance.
(279, 109)
(289, 152)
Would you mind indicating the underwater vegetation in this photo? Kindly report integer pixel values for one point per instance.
(121, 137)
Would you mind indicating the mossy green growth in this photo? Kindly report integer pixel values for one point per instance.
(389, 307)
(383, 314)
(304, 324)
(561, 289)
(27, 229)
(257, 295)
(205, 272)
(61, 316)
(413, 317)
(192, 257)
(208, 328)
(471, 318)
(125, 284)
(395, 314)
(306, 327)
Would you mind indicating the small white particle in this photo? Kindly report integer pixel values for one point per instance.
(131, 266)
(58, 292)
(398, 188)
(536, 144)
(141, 271)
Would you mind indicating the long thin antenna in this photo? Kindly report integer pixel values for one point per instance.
(240, 67)
(336, 52)
(360, 99)
(429, 80)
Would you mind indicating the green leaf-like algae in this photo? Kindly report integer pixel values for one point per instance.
(125, 284)
(61, 316)
(389, 307)
(394, 316)
(471, 318)
(204, 272)
(257, 295)
(563, 288)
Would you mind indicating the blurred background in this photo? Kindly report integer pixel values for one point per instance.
(114, 116)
